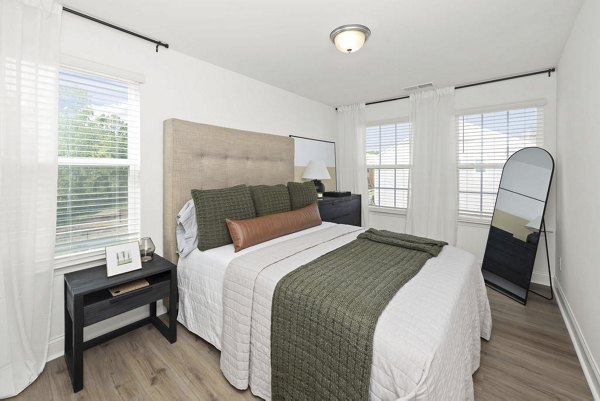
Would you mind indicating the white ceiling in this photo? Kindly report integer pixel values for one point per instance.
(286, 43)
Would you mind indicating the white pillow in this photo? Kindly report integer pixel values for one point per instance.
(187, 229)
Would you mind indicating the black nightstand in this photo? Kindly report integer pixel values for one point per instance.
(88, 301)
(342, 210)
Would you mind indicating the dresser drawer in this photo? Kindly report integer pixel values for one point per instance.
(350, 219)
(345, 210)
(338, 208)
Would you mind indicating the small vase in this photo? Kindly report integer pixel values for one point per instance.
(147, 249)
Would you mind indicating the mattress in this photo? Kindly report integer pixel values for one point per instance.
(200, 278)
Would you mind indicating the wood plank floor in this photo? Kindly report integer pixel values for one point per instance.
(530, 357)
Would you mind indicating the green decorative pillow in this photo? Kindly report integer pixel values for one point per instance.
(302, 194)
(270, 199)
(213, 206)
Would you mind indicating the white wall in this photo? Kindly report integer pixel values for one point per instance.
(579, 192)
(176, 85)
(473, 236)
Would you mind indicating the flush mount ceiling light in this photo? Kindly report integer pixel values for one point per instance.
(349, 38)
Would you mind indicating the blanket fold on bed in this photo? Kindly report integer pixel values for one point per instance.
(431, 246)
(324, 315)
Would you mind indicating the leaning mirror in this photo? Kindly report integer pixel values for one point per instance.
(320, 154)
(517, 222)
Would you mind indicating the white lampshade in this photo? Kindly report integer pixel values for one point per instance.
(350, 38)
(316, 170)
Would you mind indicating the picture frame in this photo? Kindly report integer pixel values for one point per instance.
(122, 258)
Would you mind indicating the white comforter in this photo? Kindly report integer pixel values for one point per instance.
(427, 340)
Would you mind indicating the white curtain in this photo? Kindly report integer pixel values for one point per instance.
(351, 156)
(433, 203)
(29, 55)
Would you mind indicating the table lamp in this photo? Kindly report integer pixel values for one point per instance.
(317, 171)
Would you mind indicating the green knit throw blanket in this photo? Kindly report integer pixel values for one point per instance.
(324, 315)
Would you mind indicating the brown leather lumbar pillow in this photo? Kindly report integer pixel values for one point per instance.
(248, 232)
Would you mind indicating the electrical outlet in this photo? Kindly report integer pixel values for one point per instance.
(560, 263)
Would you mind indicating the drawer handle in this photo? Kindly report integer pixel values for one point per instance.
(130, 294)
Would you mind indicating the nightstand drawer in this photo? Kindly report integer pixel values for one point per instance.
(102, 305)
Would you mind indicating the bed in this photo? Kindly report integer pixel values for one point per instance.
(427, 340)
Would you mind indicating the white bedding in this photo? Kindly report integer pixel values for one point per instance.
(427, 340)
(200, 278)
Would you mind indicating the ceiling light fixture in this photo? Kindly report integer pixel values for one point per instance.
(349, 38)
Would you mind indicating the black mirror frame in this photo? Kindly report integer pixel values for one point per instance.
(319, 140)
(498, 283)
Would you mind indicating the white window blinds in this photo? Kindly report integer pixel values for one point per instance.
(485, 142)
(389, 151)
(98, 157)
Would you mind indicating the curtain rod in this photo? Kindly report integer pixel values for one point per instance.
(548, 71)
(118, 28)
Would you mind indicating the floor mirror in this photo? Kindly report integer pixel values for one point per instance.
(518, 222)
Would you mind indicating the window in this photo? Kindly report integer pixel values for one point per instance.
(98, 162)
(485, 142)
(389, 151)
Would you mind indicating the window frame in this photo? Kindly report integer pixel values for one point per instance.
(540, 104)
(393, 209)
(94, 257)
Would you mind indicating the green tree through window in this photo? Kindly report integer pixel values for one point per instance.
(97, 169)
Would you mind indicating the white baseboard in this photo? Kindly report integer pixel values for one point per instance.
(586, 359)
(56, 345)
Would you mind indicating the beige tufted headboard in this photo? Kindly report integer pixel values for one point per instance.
(200, 156)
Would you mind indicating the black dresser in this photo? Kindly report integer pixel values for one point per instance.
(343, 210)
